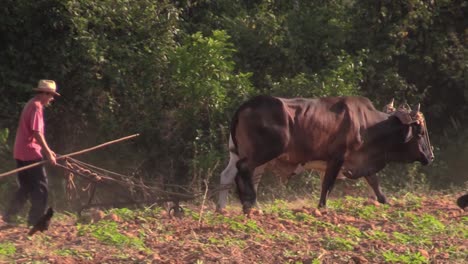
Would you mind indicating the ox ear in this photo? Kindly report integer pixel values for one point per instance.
(408, 134)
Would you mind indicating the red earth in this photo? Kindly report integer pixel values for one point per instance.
(415, 228)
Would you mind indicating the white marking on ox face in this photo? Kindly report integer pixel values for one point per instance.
(227, 176)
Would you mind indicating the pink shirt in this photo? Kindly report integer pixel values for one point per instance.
(32, 119)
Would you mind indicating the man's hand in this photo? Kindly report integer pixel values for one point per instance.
(51, 156)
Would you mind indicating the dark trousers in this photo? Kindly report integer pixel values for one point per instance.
(33, 185)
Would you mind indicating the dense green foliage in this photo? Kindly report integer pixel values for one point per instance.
(176, 71)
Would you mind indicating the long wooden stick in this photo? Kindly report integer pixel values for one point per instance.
(68, 155)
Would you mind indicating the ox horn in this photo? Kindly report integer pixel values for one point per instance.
(416, 114)
(417, 108)
(389, 108)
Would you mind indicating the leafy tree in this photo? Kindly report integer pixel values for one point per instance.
(175, 71)
(342, 78)
(415, 53)
(204, 85)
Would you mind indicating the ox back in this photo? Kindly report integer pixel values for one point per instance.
(347, 133)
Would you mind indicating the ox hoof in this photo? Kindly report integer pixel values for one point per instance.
(247, 208)
(176, 211)
(382, 200)
(247, 211)
(221, 211)
(322, 206)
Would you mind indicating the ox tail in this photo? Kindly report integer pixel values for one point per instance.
(232, 138)
(245, 185)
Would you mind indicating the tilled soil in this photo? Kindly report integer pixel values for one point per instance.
(414, 228)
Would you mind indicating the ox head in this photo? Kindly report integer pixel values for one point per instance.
(416, 138)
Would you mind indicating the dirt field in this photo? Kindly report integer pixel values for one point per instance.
(413, 229)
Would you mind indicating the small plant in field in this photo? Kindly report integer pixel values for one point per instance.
(429, 224)
(289, 253)
(276, 207)
(336, 204)
(376, 235)
(412, 239)
(64, 216)
(338, 243)
(251, 226)
(283, 235)
(401, 238)
(353, 200)
(356, 206)
(307, 218)
(108, 233)
(152, 211)
(456, 252)
(195, 215)
(74, 253)
(287, 214)
(214, 240)
(280, 208)
(412, 201)
(407, 257)
(7, 249)
(236, 223)
(368, 212)
(40, 241)
(352, 232)
(233, 241)
(457, 229)
(404, 218)
(318, 225)
(124, 213)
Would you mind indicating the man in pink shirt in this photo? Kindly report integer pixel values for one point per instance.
(30, 146)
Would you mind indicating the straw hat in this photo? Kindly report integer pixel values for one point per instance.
(46, 86)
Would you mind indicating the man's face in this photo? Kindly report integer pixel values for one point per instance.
(46, 98)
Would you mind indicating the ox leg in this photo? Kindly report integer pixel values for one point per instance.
(227, 179)
(245, 186)
(257, 176)
(373, 182)
(333, 168)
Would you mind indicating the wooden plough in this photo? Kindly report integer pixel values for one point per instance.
(95, 176)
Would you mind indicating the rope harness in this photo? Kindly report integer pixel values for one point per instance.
(95, 176)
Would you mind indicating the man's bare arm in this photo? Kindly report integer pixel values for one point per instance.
(48, 152)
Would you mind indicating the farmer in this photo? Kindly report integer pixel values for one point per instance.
(31, 147)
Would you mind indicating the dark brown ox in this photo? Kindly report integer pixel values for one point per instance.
(344, 134)
(462, 201)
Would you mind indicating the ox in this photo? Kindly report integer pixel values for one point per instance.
(462, 201)
(342, 135)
